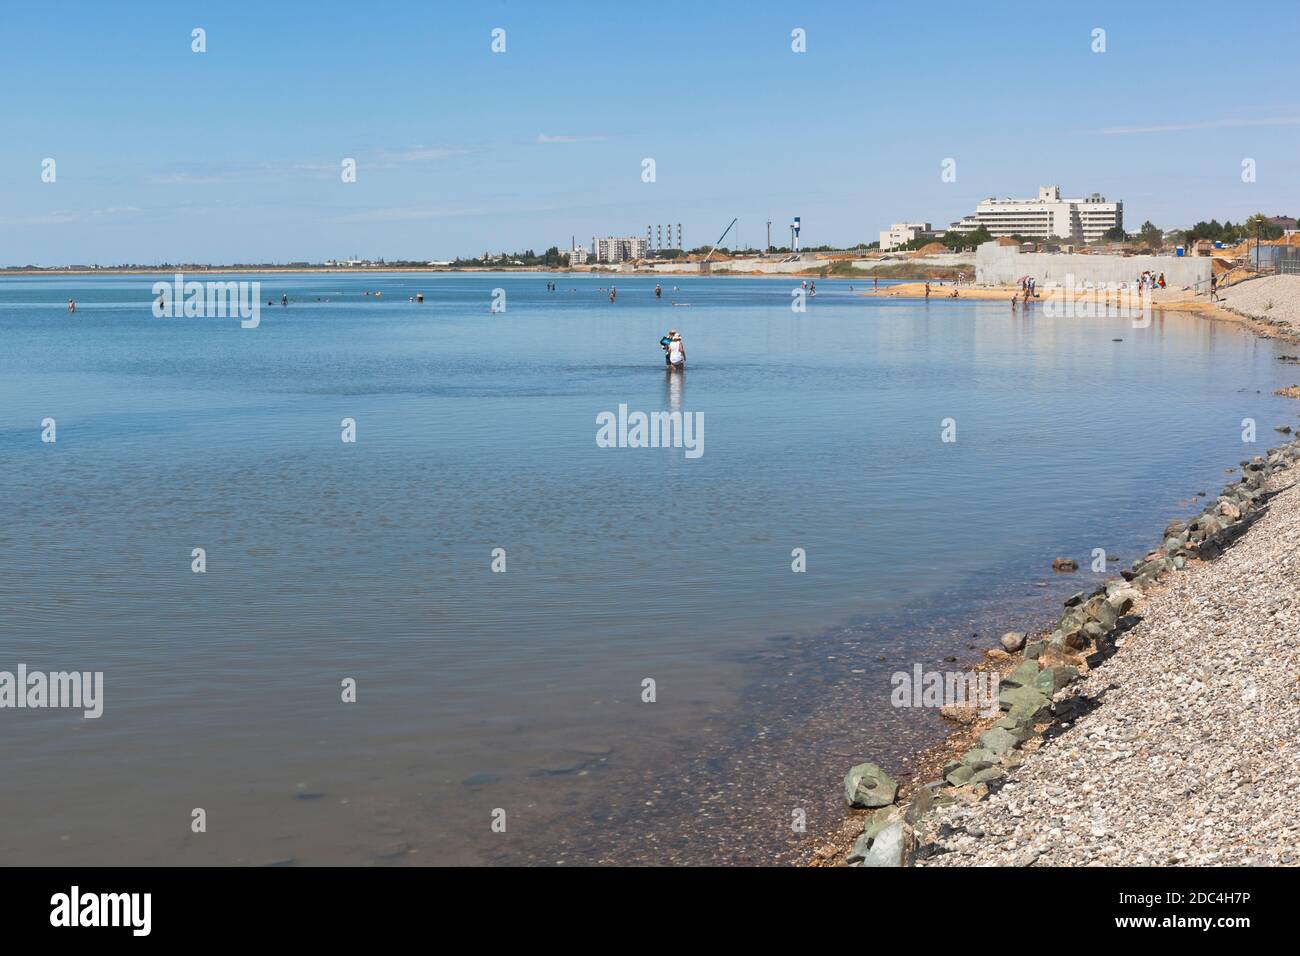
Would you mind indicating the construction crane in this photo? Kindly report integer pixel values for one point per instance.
(719, 242)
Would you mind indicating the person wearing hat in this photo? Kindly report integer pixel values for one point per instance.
(676, 351)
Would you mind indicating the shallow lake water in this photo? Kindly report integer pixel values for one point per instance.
(523, 691)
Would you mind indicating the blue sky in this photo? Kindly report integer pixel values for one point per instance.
(234, 154)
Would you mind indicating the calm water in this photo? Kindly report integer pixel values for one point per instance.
(476, 431)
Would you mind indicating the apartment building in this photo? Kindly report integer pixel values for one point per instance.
(1047, 217)
(620, 248)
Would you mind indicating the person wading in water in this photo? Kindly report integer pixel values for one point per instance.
(676, 351)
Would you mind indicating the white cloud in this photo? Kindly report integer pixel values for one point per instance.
(549, 138)
(422, 154)
(1231, 123)
(406, 214)
(55, 218)
(61, 217)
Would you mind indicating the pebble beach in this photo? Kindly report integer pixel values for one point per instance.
(1152, 724)
(1188, 757)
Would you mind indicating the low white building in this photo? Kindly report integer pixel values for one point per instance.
(1047, 217)
(901, 233)
(577, 256)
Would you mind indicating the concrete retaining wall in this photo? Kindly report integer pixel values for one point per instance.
(676, 267)
(949, 262)
(999, 265)
(766, 266)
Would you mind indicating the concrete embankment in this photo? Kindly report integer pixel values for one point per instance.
(1001, 265)
(888, 263)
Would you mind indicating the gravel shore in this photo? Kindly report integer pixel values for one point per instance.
(1190, 757)
(1271, 298)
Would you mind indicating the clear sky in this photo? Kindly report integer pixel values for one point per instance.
(234, 155)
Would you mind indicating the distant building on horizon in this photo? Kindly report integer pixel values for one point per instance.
(901, 233)
(577, 256)
(1047, 217)
(620, 248)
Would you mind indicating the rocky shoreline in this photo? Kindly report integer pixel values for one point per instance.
(1170, 753)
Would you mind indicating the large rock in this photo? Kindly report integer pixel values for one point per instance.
(998, 740)
(979, 758)
(987, 775)
(1022, 676)
(1018, 728)
(1044, 683)
(922, 803)
(1075, 638)
(958, 774)
(1054, 656)
(886, 841)
(1100, 610)
(1025, 702)
(1058, 677)
(1122, 600)
(1069, 630)
(1106, 615)
(1012, 641)
(1065, 564)
(866, 785)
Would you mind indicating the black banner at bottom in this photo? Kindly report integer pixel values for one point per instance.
(335, 905)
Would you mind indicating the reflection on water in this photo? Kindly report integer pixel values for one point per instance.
(675, 385)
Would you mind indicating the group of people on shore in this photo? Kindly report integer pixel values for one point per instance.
(954, 294)
(1028, 292)
(1148, 281)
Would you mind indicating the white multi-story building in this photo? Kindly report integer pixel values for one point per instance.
(901, 233)
(1047, 217)
(620, 248)
(577, 256)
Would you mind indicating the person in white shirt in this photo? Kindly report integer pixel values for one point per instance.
(676, 352)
